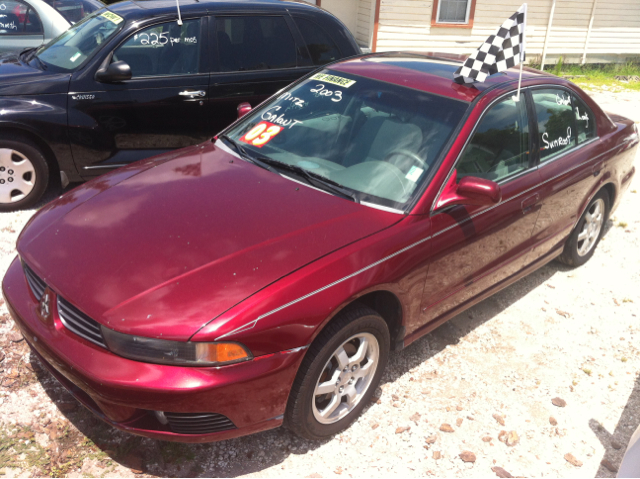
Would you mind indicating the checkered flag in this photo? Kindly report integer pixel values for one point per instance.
(503, 50)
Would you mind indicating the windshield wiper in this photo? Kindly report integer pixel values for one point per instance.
(245, 156)
(312, 178)
(25, 52)
(43, 66)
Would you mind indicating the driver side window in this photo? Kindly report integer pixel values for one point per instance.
(499, 147)
(161, 50)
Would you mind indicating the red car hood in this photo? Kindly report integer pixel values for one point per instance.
(162, 247)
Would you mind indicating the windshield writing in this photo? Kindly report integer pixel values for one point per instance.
(375, 138)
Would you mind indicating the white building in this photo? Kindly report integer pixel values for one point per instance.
(594, 31)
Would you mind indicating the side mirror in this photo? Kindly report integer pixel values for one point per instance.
(243, 109)
(115, 72)
(469, 191)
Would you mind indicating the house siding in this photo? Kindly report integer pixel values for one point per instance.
(615, 35)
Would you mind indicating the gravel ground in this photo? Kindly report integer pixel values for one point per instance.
(541, 379)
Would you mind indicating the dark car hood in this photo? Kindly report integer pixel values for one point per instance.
(18, 78)
(162, 247)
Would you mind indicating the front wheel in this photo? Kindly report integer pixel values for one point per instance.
(24, 173)
(583, 240)
(339, 374)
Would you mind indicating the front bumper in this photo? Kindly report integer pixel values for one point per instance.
(252, 395)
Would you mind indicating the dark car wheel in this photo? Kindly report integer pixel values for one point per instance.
(585, 237)
(24, 173)
(339, 374)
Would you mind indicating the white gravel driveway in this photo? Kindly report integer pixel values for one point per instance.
(480, 386)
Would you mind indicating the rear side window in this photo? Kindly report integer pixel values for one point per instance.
(555, 121)
(585, 121)
(32, 23)
(320, 45)
(73, 10)
(163, 50)
(17, 18)
(499, 147)
(254, 43)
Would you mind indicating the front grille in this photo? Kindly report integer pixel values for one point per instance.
(36, 284)
(198, 423)
(79, 323)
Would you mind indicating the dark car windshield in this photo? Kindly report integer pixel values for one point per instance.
(70, 50)
(75, 10)
(377, 139)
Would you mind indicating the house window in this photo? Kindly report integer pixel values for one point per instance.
(453, 13)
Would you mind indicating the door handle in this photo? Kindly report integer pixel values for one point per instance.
(528, 203)
(193, 94)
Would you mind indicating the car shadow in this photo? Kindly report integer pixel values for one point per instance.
(615, 443)
(269, 449)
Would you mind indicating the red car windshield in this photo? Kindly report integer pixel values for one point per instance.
(374, 138)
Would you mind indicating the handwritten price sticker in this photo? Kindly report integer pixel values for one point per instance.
(261, 134)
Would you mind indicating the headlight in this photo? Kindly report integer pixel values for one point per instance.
(180, 353)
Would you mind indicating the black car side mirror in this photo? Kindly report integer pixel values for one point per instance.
(115, 72)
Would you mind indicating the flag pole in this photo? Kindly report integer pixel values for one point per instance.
(179, 16)
(522, 52)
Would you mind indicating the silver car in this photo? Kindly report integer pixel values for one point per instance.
(30, 23)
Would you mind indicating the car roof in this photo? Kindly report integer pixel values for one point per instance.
(148, 8)
(427, 71)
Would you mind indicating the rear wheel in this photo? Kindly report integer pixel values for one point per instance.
(24, 174)
(339, 374)
(582, 242)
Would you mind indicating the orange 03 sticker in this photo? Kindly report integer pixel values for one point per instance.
(261, 134)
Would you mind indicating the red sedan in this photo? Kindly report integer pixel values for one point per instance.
(263, 277)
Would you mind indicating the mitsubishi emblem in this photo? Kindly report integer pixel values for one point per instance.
(44, 309)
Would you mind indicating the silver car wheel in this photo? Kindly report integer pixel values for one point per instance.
(594, 219)
(17, 176)
(346, 378)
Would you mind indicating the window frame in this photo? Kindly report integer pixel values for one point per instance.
(573, 124)
(533, 156)
(22, 33)
(296, 36)
(468, 23)
(204, 48)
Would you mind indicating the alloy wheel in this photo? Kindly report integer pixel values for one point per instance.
(17, 176)
(594, 219)
(346, 378)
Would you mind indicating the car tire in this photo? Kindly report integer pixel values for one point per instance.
(584, 239)
(363, 336)
(24, 173)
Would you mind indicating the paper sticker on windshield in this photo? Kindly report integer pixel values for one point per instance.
(112, 17)
(261, 134)
(414, 174)
(336, 80)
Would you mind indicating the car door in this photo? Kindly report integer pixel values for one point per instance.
(254, 56)
(569, 163)
(162, 107)
(474, 248)
(20, 26)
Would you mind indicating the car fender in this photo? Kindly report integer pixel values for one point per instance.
(292, 311)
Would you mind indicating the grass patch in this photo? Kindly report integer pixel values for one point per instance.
(597, 75)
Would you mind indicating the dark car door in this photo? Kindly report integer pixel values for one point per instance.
(476, 247)
(569, 166)
(254, 57)
(162, 107)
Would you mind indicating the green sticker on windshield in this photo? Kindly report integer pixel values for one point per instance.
(336, 80)
(112, 17)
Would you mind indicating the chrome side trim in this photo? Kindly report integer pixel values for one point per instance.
(98, 167)
(251, 324)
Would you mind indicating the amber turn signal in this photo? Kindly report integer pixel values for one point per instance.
(220, 352)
